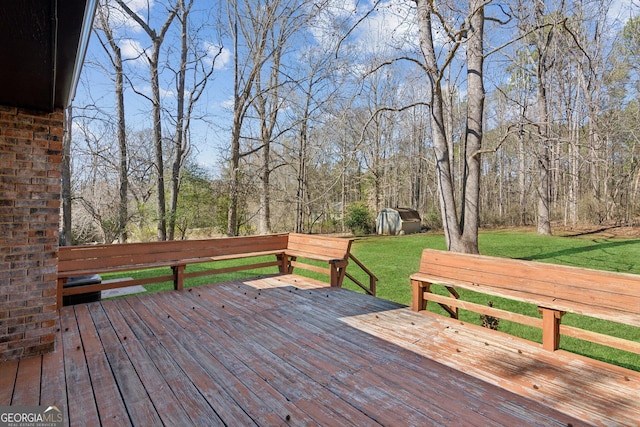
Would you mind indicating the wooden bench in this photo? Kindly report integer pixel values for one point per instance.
(76, 261)
(555, 289)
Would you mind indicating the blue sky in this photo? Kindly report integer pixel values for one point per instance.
(390, 29)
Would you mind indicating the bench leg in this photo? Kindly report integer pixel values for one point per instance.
(550, 328)
(178, 277)
(338, 270)
(289, 263)
(418, 288)
(283, 263)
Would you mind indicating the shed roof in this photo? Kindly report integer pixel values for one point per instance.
(408, 214)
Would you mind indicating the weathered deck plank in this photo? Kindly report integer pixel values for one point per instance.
(191, 356)
(108, 400)
(7, 381)
(52, 381)
(285, 351)
(175, 393)
(27, 388)
(239, 387)
(136, 395)
(80, 394)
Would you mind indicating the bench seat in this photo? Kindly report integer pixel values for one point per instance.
(554, 289)
(178, 255)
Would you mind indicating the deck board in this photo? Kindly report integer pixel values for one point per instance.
(7, 381)
(80, 393)
(285, 350)
(27, 388)
(108, 401)
(53, 380)
(194, 358)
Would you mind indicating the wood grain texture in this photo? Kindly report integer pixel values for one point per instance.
(286, 350)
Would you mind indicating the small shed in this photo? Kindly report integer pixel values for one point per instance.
(396, 221)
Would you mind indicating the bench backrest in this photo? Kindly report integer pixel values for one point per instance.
(125, 256)
(606, 295)
(329, 247)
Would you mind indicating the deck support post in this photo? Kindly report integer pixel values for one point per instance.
(550, 328)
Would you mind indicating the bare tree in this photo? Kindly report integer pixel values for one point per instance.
(114, 53)
(543, 40)
(262, 33)
(196, 66)
(157, 37)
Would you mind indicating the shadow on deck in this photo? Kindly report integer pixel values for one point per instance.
(288, 350)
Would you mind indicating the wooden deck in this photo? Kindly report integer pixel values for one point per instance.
(285, 350)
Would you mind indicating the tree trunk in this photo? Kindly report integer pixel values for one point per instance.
(234, 161)
(522, 175)
(179, 138)
(265, 195)
(544, 150)
(157, 145)
(470, 212)
(444, 177)
(461, 234)
(123, 169)
(156, 39)
(115, 54)
(234, 174)
(302, 167)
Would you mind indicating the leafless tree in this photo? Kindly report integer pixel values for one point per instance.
(262, 33)
(157, 38)
(195, 68)
(108, 41)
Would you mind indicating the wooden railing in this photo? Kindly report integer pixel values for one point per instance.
(289, 250)
(371, 289)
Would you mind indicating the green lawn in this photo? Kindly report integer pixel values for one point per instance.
(394, 259)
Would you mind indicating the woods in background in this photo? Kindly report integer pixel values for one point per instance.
(282, 115)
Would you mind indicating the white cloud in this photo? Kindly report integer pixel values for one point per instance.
(167, 93)
(142, 8)
(227, 104)
(222, 56)
(132, 49)
(334, 16)
(391, 26)
(138, 5)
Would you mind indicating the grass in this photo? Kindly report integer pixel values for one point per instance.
(394, 258)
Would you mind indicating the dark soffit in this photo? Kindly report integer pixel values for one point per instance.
(42, 46)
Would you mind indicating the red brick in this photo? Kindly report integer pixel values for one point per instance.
(30, 168)
(18, 133)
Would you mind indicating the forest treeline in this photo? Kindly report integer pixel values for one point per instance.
(330, 109)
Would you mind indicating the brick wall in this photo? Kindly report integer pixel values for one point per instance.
(30, 169)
